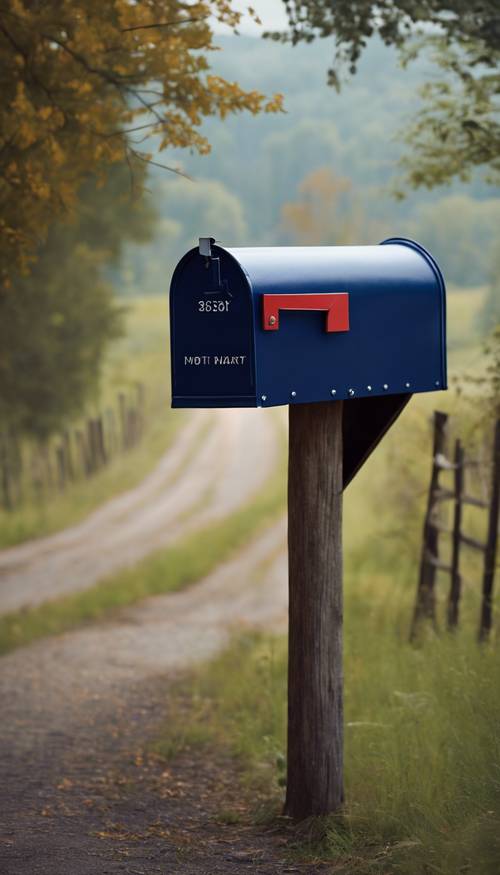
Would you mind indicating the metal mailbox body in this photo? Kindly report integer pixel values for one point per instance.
(265, 326)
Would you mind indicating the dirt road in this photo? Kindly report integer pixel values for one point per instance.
(218, 461)
(74, 707)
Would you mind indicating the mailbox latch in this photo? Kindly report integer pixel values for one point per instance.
(206, 246)
(212, 263)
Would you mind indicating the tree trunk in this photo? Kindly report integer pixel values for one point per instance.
(315, 707)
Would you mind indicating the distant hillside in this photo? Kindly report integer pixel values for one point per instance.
(258, 163)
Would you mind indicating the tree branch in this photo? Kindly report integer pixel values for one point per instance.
(164, 24)
(156, 164)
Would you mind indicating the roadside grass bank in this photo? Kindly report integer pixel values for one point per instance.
(142, 356)
(421, 740)
(179, 565)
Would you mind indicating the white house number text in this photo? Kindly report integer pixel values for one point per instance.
(213, 306)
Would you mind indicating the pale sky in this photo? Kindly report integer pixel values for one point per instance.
(271, 12)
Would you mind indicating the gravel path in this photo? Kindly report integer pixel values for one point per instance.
(47, 684)
(74, 704)
(202, 477)
(76, 708)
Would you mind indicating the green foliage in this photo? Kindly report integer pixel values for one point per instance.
(490, 315)
(483, 390)
(205, 201)
(53, 343)
(396, 23)
(462, 233)
(457, 130)
(56, 323)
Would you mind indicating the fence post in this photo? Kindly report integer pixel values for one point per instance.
(491, 542)
(456, 580)
(425, 605)
(70, 469)
(82, 451)
(15, 461)
(101, 446)
(61, 467)
(36, 472)
(5, 469)
(111, 431)
(122, 406)
(141, 407)
(48, 473)
(92, 444)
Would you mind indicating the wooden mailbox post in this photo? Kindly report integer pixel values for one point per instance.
(315, 681)
(344, 335)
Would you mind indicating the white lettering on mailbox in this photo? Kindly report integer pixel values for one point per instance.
(213, 306)
(214, 359)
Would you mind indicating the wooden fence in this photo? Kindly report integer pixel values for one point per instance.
(458, 493)
(78, 452)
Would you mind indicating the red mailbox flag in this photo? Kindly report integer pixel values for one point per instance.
(336, 305)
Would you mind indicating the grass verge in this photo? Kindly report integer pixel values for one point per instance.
(165, 571)
(422, 747)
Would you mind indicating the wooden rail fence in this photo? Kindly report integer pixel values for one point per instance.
(28, 470)
(458, 493)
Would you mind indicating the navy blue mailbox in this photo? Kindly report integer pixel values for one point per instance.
(264, 326)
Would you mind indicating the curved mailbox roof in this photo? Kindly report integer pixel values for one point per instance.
(277, 268)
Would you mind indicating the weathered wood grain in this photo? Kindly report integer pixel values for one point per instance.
(315, 681)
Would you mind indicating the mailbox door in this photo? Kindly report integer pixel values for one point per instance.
(212, 334)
